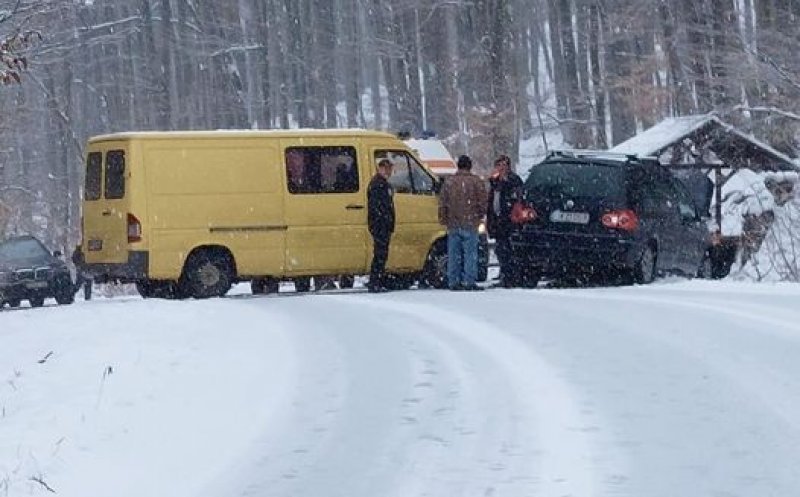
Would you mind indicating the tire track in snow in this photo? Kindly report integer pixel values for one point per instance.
(563, 459)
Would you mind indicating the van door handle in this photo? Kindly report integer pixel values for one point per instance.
(106, 213)
(354, 207)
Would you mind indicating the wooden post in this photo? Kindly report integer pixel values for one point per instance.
(718, 196)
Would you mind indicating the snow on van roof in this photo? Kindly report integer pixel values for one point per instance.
(240, 133)
(430, 149)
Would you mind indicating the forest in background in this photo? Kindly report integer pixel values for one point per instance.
(482, 74)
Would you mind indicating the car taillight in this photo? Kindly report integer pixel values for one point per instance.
(134, 229)
(625, 219)
(523, 213)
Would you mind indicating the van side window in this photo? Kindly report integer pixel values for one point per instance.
(94, 176)
(115, 175)
(321, 170)
(408, 175)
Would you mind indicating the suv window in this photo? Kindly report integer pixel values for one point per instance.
(94, 173)
(21, 249)
(656, 195)
(686, 204)
(559, 180)
(408, 175)
(321, 170)
(115, 175)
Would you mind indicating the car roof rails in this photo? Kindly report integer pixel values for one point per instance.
(598, 154)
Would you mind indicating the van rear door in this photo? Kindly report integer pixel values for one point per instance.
(105, 206)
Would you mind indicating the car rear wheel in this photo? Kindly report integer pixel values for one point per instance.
(645, 270)
(14, 303)
(208, 273)
(65, 297)
(263, 286)
(36, 301)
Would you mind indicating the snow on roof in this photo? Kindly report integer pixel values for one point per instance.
(673, 129)
(430, 149)
(662, 134)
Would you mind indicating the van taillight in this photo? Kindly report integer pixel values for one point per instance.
(625, 219)
(134, 229)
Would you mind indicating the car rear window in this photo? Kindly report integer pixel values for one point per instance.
(115, 175)
(577, 180)
(94, 172)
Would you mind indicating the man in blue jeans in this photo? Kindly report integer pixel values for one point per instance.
(462, 205)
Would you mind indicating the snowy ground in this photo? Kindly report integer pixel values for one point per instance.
(677, 389)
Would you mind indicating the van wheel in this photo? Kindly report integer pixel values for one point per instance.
(263, 286)
(302, 285)
(36, 301)
(435, 272)
(645, 270)
(208, 273)
(346, 282)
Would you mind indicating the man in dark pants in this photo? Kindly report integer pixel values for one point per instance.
(381, 224)
(505, 188)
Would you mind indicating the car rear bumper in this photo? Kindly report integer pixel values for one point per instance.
(558, 253)
(127, 272)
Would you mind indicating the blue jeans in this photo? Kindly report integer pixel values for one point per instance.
(462, 257)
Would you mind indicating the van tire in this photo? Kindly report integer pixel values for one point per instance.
(435, 272)
(207, 273)
(302, 285)
(264, 286)
(346, 282)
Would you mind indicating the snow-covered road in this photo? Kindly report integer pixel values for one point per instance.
(677, 389)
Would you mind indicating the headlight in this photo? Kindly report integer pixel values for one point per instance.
(482, 228)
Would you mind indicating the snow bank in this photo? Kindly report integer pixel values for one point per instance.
(745, 193)
(778, 258)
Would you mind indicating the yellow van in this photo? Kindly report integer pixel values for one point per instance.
(191, 213)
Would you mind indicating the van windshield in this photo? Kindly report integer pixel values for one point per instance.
(577, 180)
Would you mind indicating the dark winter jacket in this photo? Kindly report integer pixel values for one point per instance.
(380, 207)
(502, 195)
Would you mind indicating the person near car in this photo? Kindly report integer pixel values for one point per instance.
(462, 206)
(380, 213)
(505, 188)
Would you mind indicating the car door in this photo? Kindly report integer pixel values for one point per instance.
(105, 206)
(661, 212)
(326, 212)
(692, 234)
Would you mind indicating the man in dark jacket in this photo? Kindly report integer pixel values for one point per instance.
(381, 223)
(505, 188)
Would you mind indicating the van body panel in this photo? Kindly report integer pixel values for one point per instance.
(218, 192)
(233, 190)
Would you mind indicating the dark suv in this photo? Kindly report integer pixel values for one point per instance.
(28, 271)
(607, 215)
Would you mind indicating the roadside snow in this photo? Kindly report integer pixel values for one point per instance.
(678, 388)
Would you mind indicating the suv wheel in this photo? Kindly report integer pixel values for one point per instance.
(65, 297)
(208, 273)
(645, 270)
(36, 301)
(706, 269)
(14, 303)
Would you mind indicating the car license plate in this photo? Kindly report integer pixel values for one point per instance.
(95, 245)
(569, 217)
(36, 285)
